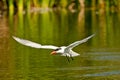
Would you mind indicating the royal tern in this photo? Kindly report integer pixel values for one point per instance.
(63, 50)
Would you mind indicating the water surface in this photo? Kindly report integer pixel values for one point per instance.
(99, 57)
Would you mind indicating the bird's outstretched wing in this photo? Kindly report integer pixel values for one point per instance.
(33, 44)
(79, 42)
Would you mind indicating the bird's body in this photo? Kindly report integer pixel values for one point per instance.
(63, 50)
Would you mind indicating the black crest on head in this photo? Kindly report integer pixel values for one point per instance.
(57, 49)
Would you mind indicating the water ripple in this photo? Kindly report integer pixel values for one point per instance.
(102, 53)
(107, 58)
(88, 68)
(109, 73)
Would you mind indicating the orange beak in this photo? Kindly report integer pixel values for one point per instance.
(53, 53)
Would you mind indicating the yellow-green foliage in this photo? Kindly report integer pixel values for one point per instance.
(27, 4)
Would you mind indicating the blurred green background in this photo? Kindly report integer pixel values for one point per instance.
(59, 23)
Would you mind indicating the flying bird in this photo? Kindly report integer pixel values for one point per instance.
(63, 50)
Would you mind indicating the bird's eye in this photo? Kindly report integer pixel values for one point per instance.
(57, 49)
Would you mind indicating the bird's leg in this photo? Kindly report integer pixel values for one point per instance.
(67, 58)
(71, 57)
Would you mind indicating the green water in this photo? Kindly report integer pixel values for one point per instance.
(99, 57)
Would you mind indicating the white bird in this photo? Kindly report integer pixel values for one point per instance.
(63, 50)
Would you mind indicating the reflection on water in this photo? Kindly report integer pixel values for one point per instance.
(99, 57)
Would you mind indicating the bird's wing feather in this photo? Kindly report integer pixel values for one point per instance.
(79, 42)
(33, 44)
